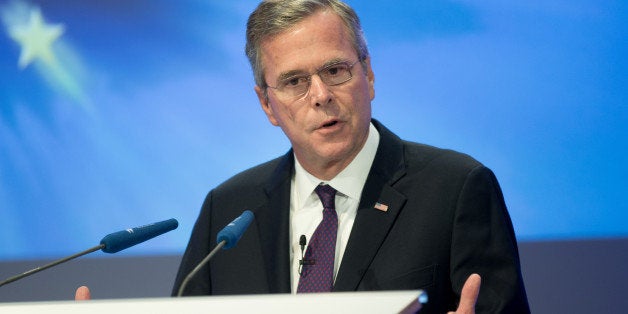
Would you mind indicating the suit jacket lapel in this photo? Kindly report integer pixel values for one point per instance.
(273, 224)
(372, 225)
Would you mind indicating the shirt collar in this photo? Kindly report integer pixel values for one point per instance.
(349, 182)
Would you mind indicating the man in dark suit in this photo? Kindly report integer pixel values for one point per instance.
(408, 216)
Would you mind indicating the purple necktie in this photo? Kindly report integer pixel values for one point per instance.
(319, 275)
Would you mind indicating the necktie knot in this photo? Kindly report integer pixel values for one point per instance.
(327, 194)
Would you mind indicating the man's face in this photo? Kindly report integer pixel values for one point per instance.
(328, 126)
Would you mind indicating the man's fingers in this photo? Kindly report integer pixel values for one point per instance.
(82, 293)
(469, 295)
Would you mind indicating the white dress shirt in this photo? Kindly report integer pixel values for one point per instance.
(306, 209)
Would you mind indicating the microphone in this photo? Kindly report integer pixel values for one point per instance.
(303, 261)
(232, 233)
(227, 238)
(118, 241)
(111, 243)
(302, 243)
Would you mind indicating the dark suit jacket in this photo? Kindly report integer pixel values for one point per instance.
(446, 219)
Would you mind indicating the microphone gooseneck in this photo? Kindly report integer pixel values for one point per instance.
(227, 238)
(55, 263)
(111, 243)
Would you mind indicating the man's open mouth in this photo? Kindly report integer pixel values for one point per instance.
(330, 123)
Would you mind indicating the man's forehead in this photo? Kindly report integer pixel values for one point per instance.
(307, 46)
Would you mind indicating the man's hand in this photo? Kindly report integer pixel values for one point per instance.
(82, 293)
(469, 295)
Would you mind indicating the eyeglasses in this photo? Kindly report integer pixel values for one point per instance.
(296, 86)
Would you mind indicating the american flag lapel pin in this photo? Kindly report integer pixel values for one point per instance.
(382, 207)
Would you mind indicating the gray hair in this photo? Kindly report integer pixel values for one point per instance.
(272, 17)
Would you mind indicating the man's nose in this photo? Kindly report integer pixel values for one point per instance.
(319, 91)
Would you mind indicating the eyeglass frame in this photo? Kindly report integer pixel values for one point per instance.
(317, 72)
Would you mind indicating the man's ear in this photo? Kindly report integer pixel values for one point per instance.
(370, 76)
(263, 100)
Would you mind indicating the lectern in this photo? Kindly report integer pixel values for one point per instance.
(315, 303)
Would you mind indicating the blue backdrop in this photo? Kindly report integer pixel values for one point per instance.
(114, 114)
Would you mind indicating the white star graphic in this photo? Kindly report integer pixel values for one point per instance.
(36, 38)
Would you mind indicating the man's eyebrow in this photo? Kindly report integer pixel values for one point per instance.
(331, 62)
(293, 73)
(290, 74)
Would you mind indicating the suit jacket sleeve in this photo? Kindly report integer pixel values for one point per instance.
(483, 241)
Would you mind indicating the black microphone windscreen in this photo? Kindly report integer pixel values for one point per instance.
(118, 241)
(302, 240)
